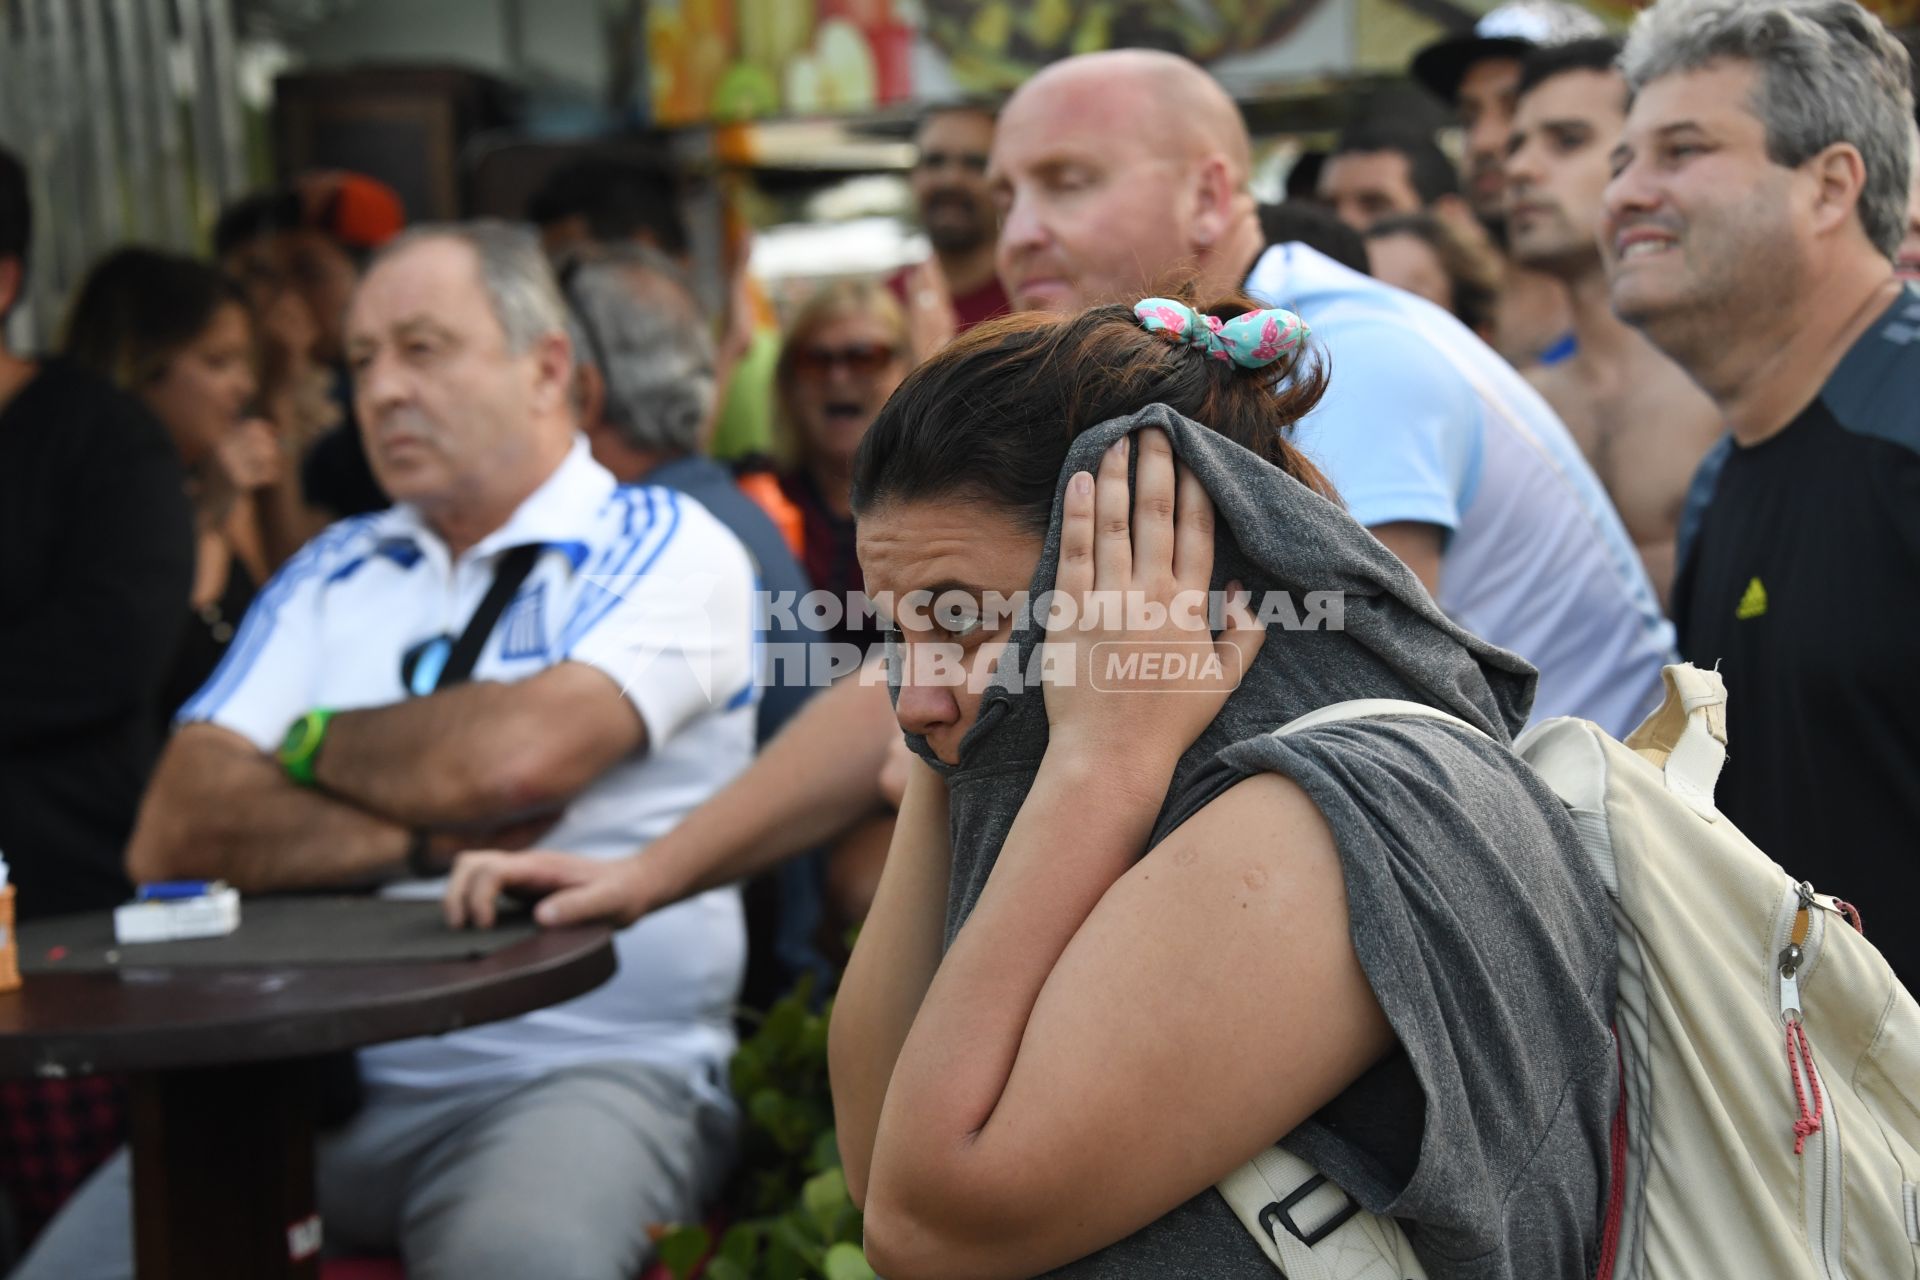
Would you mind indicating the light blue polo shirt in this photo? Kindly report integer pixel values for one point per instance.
(1424, 422)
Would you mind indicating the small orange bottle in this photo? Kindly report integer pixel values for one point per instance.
(9, 943)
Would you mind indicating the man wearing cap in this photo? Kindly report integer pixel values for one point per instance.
(1478, 73)
(1641, 421)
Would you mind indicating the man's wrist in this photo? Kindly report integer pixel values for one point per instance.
(299, 753)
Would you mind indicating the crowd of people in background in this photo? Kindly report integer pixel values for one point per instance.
(436, 561)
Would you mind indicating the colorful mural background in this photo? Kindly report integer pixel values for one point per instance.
(734, 60)
(727, 60)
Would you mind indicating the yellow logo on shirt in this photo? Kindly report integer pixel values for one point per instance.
(1753, 603)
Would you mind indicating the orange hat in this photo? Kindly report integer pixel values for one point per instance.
(358, 211)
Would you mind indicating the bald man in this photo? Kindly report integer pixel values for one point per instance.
(1123, 174)
(1103, 196)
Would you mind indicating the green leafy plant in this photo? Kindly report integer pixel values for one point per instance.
(791, 1215)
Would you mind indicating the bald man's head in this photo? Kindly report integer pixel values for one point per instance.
(1118, 174)
(1183, 107)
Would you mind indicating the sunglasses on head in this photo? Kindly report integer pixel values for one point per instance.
(568, 273)
(865, 358)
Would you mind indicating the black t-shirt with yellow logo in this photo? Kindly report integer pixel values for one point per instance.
(1802, 582)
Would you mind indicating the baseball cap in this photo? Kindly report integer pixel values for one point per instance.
(1510, 31)
(358, 211)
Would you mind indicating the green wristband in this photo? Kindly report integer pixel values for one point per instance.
(301, 747)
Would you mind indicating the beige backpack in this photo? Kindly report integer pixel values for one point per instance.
(1772, 1061)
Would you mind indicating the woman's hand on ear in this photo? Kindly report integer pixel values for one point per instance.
(1133, 671)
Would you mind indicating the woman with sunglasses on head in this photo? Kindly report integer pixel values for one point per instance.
(841, 357)
(1128, 938)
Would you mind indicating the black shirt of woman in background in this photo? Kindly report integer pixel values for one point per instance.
(96, 563)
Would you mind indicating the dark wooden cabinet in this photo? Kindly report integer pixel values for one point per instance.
(409, 127)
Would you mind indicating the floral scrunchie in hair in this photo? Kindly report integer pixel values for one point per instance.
(1251, 341)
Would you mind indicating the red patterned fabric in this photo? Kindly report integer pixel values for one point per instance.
(53, 1135)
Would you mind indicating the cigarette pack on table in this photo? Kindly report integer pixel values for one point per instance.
(178, 910)
(9, 941)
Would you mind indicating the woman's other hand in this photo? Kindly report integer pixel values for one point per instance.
(571, 889)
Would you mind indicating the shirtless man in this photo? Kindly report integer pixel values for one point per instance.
(1476, 72)
(1641, 421)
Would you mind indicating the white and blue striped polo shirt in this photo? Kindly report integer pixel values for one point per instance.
(641, 583)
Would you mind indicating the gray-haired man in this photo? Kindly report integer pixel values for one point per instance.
(647, 399)
(613, 694)
(1759, 196)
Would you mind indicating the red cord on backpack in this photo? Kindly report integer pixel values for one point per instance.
(1798, 1051)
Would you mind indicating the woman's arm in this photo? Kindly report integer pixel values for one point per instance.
(1053, 1099)
(817, 776)
(892, 965)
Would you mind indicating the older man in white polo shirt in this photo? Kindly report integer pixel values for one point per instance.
(611, 695)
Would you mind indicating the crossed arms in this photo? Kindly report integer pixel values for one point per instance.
(463, 763)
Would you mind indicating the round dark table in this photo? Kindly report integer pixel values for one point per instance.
(223, 1079)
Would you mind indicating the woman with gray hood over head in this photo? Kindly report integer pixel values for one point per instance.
(1127, 938)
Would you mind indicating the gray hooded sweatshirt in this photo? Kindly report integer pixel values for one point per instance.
(1481, 929)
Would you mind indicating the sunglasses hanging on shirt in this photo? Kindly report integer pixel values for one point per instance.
(443, 661)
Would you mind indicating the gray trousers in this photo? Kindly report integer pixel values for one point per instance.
(558, 1177)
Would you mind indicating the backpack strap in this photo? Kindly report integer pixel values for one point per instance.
(1368, 709)
(1309, 1228)
(1687, 736)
